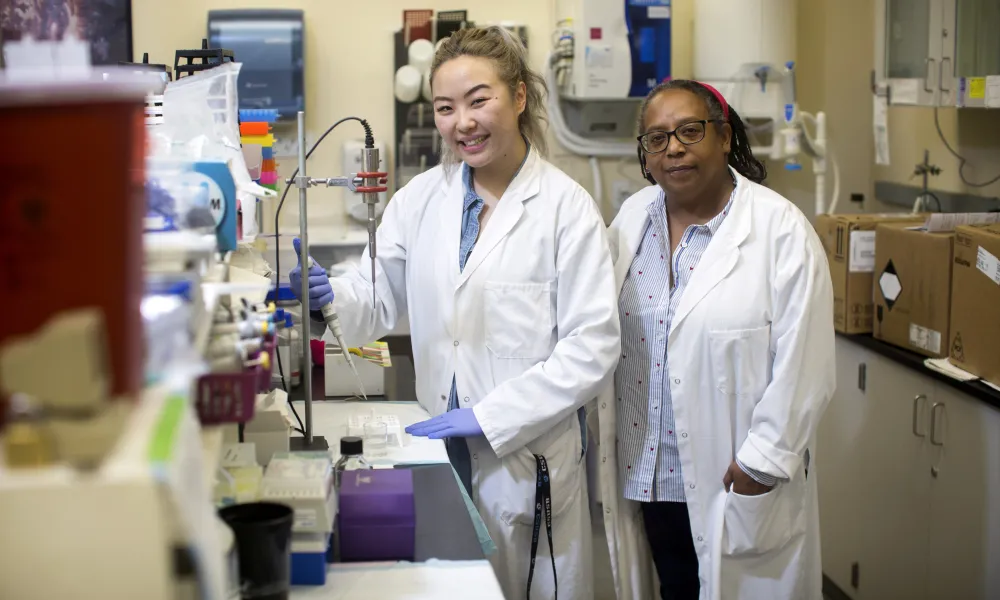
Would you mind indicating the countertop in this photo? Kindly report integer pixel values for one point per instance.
(976, 389)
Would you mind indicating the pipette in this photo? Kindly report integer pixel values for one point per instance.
(333, 324)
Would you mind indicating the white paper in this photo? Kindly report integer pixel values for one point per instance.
(925, 339)
(239, 455)
(305, 518)
(658, 12)
(598, 57)
(943, 222)
(945, 367)
(905, 91)
(862, 258)
(988, 264)
(880, 127)
(993, 91)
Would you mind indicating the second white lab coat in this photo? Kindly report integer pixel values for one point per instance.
(750, 355)
(529, 329)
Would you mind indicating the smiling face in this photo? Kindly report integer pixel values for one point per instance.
(686, 172)
(474, 110)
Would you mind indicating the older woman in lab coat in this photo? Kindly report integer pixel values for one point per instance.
(707, 435)
(502, 264)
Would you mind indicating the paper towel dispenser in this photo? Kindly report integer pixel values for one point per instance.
(270, 46)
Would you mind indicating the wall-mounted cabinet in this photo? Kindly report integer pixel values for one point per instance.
(937, 52)
(977, 53)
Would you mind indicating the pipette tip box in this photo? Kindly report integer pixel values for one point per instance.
(309, 563)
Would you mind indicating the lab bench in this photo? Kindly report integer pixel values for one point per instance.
(451, 539)
(908, 462)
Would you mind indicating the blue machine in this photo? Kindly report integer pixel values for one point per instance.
(648, 23)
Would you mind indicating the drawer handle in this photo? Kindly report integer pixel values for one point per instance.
(934, 427)
(917, 410)
(928, 71)
(943, 75)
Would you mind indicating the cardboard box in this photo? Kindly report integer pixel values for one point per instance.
(975, 301)
(849, 241)
(913, 288)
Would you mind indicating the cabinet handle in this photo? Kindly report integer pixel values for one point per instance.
(916, 415)
(941, 75)
(928, 72)
(934, 427)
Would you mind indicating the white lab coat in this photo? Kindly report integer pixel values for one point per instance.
(751, 357)
(529, 328)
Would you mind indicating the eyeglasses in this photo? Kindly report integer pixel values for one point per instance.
(654, 142)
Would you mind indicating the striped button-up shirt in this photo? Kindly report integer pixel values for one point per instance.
(649, 461)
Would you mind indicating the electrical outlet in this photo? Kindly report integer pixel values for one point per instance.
(621, 190)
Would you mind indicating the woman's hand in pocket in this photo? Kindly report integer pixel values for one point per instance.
(742, 483)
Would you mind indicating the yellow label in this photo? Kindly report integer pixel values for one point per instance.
(977, 88)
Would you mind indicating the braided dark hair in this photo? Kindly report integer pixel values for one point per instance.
(740, 156)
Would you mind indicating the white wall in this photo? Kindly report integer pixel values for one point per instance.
(349, 71)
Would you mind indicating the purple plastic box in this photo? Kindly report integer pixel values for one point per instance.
(377, 517)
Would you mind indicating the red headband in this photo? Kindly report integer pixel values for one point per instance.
(718, 96)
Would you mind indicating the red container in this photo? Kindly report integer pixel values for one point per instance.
(73, 157)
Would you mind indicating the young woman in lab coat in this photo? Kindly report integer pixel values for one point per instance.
(727, 365)
(502, 264)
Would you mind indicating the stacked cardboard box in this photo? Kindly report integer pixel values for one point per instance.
(975, 301)
(913, 287)
(849, 241)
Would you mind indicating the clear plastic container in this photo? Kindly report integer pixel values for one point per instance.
(351, 459)
(376, 438)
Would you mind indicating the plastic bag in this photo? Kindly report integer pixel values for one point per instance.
(200, 121)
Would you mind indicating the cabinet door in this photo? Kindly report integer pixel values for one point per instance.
(894, 483)
(947, 89)
(908, 45)
(977, 48)
(839, 461)
(965, 520)
(977, 42)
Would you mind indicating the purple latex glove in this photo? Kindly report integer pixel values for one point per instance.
(320, 290)
(460, 422)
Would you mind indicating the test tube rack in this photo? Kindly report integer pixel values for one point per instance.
(230, 397)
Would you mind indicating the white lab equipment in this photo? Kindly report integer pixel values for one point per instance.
(794, 138)
(303, 481)
(420, 54)
(425, 88)
(408, 83)
(43, 60)
(351, 163)
(113, 532)
(270, 427)
(340, 379)
(621, 48)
